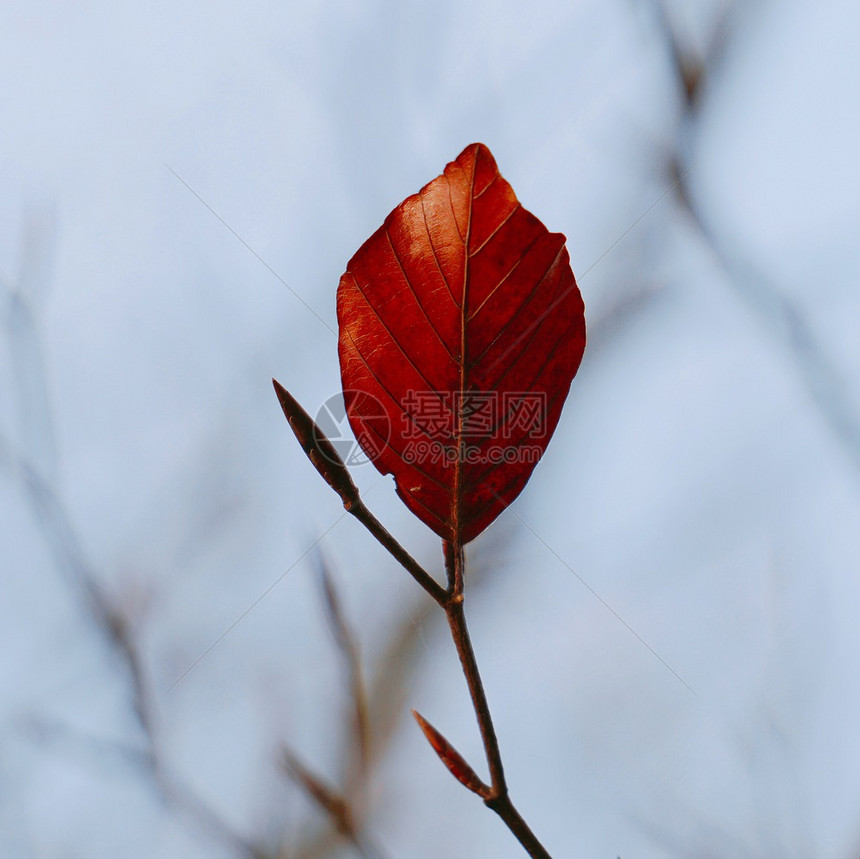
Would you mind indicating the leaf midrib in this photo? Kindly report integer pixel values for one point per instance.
(464, 318)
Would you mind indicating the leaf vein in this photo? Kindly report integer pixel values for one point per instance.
(415, 296)
(490, 237)
(528, 298)
(394, 340)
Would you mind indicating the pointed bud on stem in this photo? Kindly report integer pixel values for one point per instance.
(320, 451)
(452, 759)
(323, 456)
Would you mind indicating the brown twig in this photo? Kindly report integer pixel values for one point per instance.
(497, 799)
(323, 456)
(334, 803)
(385, 701)
(348, 647)
(346, 806)
(333, 470)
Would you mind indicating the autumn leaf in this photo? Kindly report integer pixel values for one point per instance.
(461, 328)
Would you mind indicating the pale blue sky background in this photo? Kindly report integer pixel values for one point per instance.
(702, 493)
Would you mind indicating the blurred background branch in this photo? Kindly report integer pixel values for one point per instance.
(783, 319)
(36, 473)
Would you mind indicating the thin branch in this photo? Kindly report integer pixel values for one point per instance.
(348, 647)
(168, 784)
(387, 704)
(328, 462)
(335, 805)
(498, 799)
(398, 552)
(825, 383)
(346, 807)
(333, 470)
(33, 470)
(114, 627)
(518, 826)
(455, 561)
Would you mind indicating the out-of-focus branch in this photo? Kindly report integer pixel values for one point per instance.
(346, 808)
(785, 320)
(386, 704)
(337, 807)
(348, 647)
(383, 708)
(115, 628)
(35, 437)
(781, 316)
(171, 787)
(33, 470)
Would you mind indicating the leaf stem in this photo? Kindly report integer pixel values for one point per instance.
(498, 799)
(383, 536)
(463, 643)
(455, 558)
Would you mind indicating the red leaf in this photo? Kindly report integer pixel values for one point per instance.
(461, 328)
